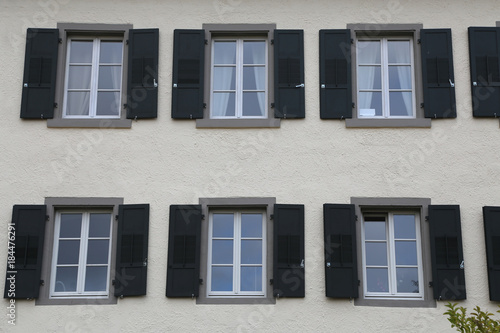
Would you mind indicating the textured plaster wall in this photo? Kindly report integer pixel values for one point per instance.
(308, 161)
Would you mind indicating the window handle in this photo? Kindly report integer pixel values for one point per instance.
(300, 85)
(451, 83)
(155, 84)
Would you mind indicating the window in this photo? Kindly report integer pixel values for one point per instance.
(385, 82)
(392, 255)
(93, 82)
(239, 72)
(81, 257)
(237, 253)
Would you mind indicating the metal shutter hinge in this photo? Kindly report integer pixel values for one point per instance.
(272, 105)
(430, 284)
(126, 42)
(42, 282)
(272, 41)
(55, 105)
(352, 41)
(202, 216)
(59, 40)
(200, 281)
(116, 217)
(272, 216)
(46, 217)
(204, 105)
(206, 41)
(271, 281)
(421, 105)
(419, 41)
(113, 282)
(353, 105)
(427, 218)
(356, 218)
(359, 283)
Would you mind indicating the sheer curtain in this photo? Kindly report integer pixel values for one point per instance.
(258, 57)
(401, 55)
(367, 55)
(223, 78)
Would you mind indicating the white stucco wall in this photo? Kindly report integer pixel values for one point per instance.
(309, 161)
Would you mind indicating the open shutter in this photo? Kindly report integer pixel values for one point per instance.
(484, 51)
(188, 74)
(335, 74)
(25, 250)
(288, 239)
(132, 250)
(341, 270)
(289, 98)
(40, 67)
(448, 278)
(437, 73)
(142, 85)
(183, 271)
(491, 216)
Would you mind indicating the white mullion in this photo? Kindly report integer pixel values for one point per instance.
(384, 60)
(393, 286)
(82, 268)
(237, 254)
(66, 81)
(239, 78)
(94, 78)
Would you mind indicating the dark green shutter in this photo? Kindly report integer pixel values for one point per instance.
(289, 98)
(288, 239)
(183, 271)
(132, 250)
(25, 241)
(437, 73)
(341, 270)
(40, 68)
(491, 216)
(188, 74)
(335, 92)
(142, 85)
(484, 52)
(448, 278)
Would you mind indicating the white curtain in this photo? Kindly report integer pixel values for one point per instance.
(401, 55)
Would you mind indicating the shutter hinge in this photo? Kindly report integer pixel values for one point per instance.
(204, 105)
(272, 105)
(206, 41)
(202, 216)
(419, 41)
(125, 105)
(272, 41)
(126, 42)
(46, 217)
(356, 218)
(201, 281)
(352, 41)
(353, 105)
(272, 216)
(421, 105)
(359, 283)
(59, 40)
(427, 218)
(42, 282)
(116, 217)
(431, 284)
(55, 105)
(271, 281)
(113, 282)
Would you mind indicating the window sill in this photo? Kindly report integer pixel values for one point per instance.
(76, 301)
(396, 303)
(90, 123)
(380, 123)
(252, 300)
(238, 123)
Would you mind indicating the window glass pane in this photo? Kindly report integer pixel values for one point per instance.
(368, 52)
(108, 103)
(225, 52)
(400, 102)
(99, 225)
(375, 230)
(251, 279)
(377, 280)
(406, 252)
(224, 78)
(95, 278)
(79, 77)
(369, 77)
(253, 104)
(376, 254)
(251, 225)
(222, 278)
(69, 252)
(399, 77)
(251, 251)
(407, 280)
(66, 279)
(370, 104)
(223, 225)
(81, 52)
(110, 77)
(98, 251)
(111, 52)
(404, 227)
(222, 251)
(398, 52)
(71, 225)
(77, 103)
(223, 105)
(254, 52)
(254, 78)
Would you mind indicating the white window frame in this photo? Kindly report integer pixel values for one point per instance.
(385, 78)
(94, 88)
(391, 258)
(236, 293)
(239, 77)
(84, 239)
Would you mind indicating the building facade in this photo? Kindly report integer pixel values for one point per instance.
(249, 166)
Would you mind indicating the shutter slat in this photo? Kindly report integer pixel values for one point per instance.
(491, 217)
(288, 240)
(142, 85)
(438, 74)
(335, 74)
(188, 74)
(289, 96)
(40, 68)
(448, 278)
(341, 270)
(132, 250)
(184, 236)
(26, 268)
(484, 53)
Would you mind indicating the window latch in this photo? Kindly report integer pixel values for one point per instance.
(451, 83)
(300, 85)
(155, 84)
